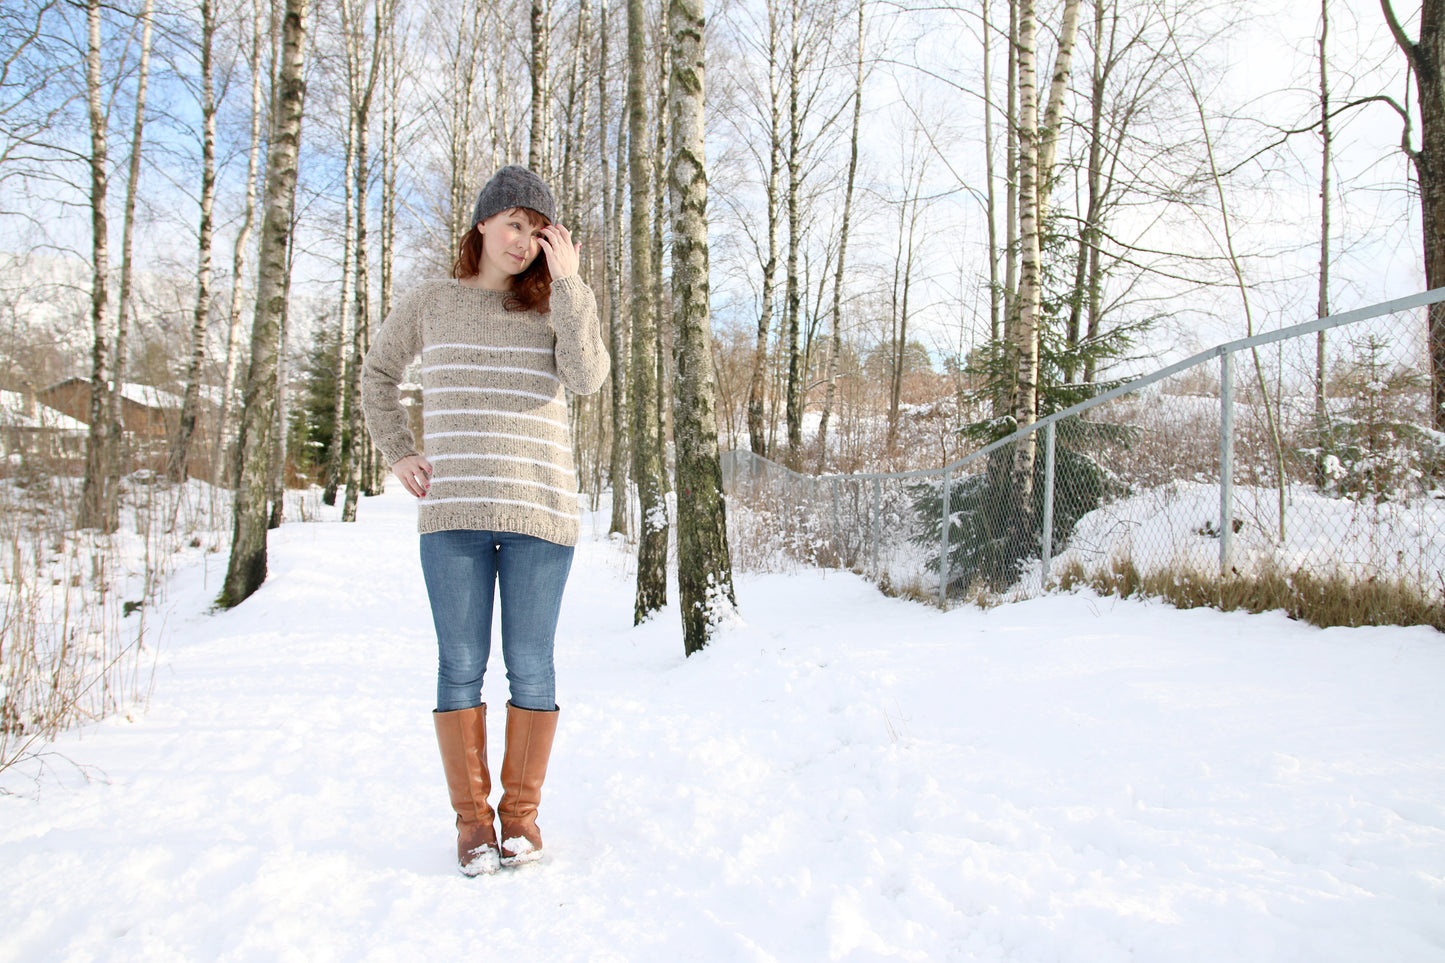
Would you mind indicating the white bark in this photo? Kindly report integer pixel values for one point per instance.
(704, 578)
(94, 498)
(180, 455)
(247, 567)
(224, 463)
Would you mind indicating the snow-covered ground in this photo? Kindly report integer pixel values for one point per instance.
(842, 777)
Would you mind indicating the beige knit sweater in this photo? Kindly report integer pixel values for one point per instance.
(494, 412)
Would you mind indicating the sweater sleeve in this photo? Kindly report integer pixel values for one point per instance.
(397, 344)
(582, 360)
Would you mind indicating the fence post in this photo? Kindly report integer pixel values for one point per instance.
(837, 546)
(943, 560)
(1046, 540)
(877, 520)
(1226, 462)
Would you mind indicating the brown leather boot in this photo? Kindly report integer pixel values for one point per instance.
(524, 767)
(462, 738)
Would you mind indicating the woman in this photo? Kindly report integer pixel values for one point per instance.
(499, 341)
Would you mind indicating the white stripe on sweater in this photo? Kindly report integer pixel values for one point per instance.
(495, 391)
(562, 446)
(501, 501)
(483, 347)
(427, 369)
(492, 411)
(461, 456)
(504, 481)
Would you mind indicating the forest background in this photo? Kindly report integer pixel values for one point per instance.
(452, 100)
(927, 223)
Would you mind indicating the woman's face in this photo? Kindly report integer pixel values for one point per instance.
(509, 241)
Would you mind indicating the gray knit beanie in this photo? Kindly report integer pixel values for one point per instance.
(514, 186)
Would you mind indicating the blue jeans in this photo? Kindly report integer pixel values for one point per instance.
(462, 570)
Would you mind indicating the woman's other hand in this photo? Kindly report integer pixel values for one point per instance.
(415, 473)
(562, 255)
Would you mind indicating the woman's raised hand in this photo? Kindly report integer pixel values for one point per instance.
(415, 473)
(562, 254)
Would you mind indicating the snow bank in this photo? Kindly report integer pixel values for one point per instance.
(1176, 526)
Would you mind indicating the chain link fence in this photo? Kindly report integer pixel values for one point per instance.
(1298, 469)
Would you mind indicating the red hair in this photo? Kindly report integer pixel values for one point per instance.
(531, 290)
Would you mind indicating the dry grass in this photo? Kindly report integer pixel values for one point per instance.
(78, 640)
(1325, 600)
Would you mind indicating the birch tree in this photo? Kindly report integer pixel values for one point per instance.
(101, 486)
(995, 293)
(704, 577)
(792, 299)
(757, 435)
(95, 505)
(125, 305)
(1036, 151)
(247, 567)
(1426, 57)
(810, 49)
(1322, 308)
(611, 270)
(541, 93)
(836, 313)
(647, 465)
(456, 114)
(1025, 341)
(336, 457)
(224, 463)
(190, 405)
(363, 65)
(910, 209)
(98, 508)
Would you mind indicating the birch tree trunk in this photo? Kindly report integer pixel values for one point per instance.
(336, 456)
(793, 401)
(659, 232)
(276, 480)
(1054, 110)
(837, 312)
(616, 319)
(704, 571)
(1036, 154)
(115, 446)
(1323, 306)
(621, 331)
(362, 74)
(541, 96)
(390, 140)
(908, 214)
(995, 296)
(1100, 188)
(190, 405)
(1026, 336)
(646, 436)
(1003, 393)
(226, 458)
(247, 567)
(1427, 62)
(463, 67)
(97, 504)
(1085, 266)
(575, 147)
(757, 383)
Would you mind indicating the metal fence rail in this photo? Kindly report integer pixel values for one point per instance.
(1308, 451)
